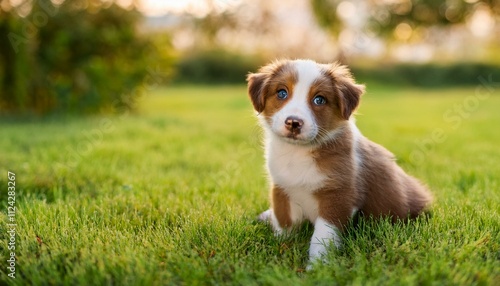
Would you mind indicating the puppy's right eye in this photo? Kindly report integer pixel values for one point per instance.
(282, 94)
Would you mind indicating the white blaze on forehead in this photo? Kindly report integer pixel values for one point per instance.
(307, 72)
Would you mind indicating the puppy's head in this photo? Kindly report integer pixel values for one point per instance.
(301, 101)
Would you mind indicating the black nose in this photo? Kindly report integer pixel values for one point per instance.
(294, 124)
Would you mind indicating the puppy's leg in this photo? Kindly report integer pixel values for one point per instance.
(283, 213)
(269, 217)
(333, 216)
(324, 234)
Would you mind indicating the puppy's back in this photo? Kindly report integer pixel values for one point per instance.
(385, 188)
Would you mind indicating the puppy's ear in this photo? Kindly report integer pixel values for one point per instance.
(256, 82)
(350, 91)
(351, 95)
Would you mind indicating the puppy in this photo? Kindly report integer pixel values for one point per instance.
(321, 168)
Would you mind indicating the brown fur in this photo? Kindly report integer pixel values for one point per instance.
(265, 83)
(349, 92)
(338, 196)
(387, 189)
(281, 206)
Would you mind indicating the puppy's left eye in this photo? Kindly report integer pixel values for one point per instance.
(282, 94)
(319, 100)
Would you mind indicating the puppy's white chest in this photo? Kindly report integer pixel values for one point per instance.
(293, 167)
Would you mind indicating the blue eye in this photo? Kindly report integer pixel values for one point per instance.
(319, 100)
(282, 94)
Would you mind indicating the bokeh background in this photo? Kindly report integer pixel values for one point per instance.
(82, 56)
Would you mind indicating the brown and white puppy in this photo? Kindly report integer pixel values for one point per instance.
(321, 168)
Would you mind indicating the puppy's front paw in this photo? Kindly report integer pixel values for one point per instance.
(266, 216)
(313, 262)
(317, 254)
(269, 218)
(325, 234)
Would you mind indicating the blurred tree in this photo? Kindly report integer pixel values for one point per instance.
(386, 15)
(209, 25)
(77, 56)
(232, 16)
(326, 15)
(12, 63)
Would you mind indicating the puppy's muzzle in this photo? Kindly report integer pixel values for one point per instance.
(294, 124)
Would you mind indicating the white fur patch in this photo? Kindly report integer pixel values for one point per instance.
(324, 234)
(358, 160)
(269, 217)
(354, 211)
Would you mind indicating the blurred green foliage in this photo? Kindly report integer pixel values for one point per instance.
(385, 16)
(324, 12)
(76, 57)
(215, 66)
(428, 75)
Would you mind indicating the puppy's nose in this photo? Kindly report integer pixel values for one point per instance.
(294, 124)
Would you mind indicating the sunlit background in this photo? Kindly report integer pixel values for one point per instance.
(425, 30)
(82, 53)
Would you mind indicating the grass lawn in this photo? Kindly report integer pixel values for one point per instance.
(169, 195)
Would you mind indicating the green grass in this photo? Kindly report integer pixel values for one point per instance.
(169, 195)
